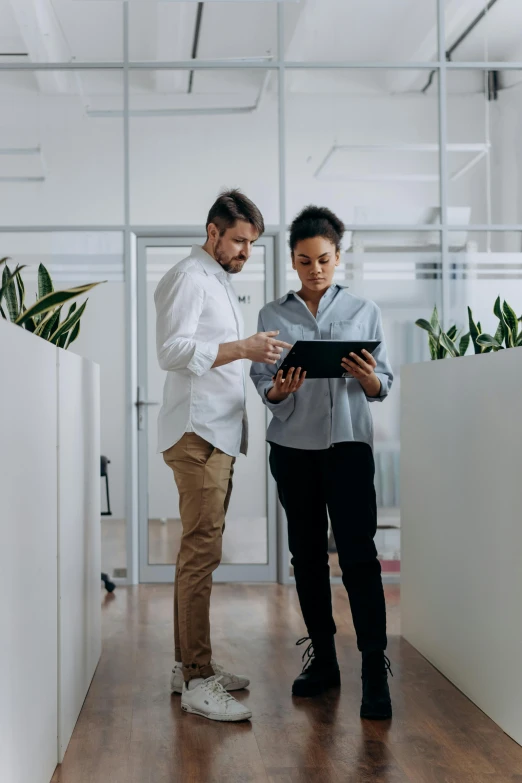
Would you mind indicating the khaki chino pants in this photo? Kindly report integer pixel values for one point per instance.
(203, 475)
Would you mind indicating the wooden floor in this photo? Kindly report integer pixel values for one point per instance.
(131, 729)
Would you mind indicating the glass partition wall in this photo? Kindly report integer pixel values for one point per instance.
(127, 118)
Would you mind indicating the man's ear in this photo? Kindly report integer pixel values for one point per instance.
(213, 232)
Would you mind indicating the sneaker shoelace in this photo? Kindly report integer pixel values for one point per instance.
(216, 690)
(309, 653)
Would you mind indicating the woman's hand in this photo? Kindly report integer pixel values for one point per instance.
(282, 388)
(363, 371)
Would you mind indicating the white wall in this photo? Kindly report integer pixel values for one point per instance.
(461, 510)
(178, 164)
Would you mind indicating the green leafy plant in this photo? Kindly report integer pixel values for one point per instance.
(44, 317)
(442, 344)
(508, 334)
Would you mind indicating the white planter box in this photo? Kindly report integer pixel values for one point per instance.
(50, 641)
(461, 519)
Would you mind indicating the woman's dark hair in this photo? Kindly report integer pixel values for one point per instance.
(315, 221)
(231, 206)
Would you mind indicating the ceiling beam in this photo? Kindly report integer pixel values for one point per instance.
(175, 22)
(44, 41)
(419, 27)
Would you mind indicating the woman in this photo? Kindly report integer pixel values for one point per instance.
(322, 460)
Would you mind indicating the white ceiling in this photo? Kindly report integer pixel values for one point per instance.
(83, 30)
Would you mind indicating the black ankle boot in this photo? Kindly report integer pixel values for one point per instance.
(376, 701)
(320, 670)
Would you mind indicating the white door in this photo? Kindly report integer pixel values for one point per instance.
(249, 542)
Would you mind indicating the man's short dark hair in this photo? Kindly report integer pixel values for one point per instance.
(231, 206)
(315, 221)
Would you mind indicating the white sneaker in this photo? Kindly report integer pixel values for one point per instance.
(230, 682)
(211, 700)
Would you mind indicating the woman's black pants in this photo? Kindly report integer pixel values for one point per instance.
(339, 480)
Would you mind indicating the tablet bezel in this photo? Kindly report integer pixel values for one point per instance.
(336, 371)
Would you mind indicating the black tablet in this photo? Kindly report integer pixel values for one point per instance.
(322, 358)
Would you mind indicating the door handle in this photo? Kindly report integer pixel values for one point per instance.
(140, 403)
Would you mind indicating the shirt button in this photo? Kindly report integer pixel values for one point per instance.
(326, 394)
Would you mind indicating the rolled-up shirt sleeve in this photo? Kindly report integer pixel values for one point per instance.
(262, 377)
(383, 371)
(179, 302)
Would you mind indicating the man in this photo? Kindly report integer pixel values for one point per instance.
(203, 428)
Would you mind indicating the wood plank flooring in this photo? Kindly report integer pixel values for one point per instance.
(131, 730)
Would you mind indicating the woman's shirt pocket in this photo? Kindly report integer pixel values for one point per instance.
(346, 330)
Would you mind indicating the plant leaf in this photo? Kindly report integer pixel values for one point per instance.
(73, 335)
(54, 299)
(49, 324)
(67, 325)
(434, 320)
(511, 322)
(464, 343)
(45, 283)
(21, 290)
(56, 323)
(452, 333)
(448, 344)
(7, 278)
(433, 346)
(488, 340)
(474, 330)
(427, 326)
(519, 341)
(4, 260)
(497, 309)
(9, 292)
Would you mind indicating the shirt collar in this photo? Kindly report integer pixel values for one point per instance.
(292, 293)
(209, 264)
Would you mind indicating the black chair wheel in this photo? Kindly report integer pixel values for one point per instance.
(109, 586)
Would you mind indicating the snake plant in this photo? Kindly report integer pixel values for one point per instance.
(508, 333)
(43, 317)
(442, 344)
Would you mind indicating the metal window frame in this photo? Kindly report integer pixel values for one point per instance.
(227, 572)
(131, 233)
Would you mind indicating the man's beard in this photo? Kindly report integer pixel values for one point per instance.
(230, 265)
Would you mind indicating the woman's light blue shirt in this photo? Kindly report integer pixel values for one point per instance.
(325, 410)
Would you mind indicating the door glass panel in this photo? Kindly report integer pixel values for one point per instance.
(246, 536)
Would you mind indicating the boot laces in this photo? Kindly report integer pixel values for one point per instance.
(373, 667)
(215, 689)
(309, 653)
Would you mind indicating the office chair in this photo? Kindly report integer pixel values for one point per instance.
(104, 473)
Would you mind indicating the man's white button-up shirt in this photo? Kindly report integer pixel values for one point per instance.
(197, 310)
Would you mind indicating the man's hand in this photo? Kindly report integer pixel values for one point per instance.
(363, 370)
(263, 347)
(283, 388)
